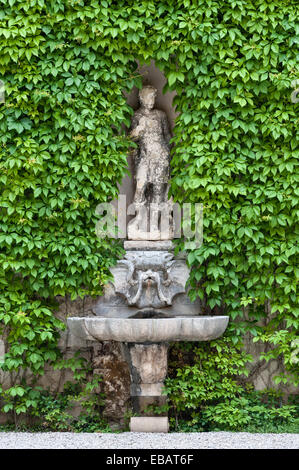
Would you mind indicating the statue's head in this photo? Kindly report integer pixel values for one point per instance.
(147, 96)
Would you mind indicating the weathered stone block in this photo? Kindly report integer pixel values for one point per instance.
(149, 424)
(108, 361)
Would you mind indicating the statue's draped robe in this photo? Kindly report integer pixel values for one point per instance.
(150, 130)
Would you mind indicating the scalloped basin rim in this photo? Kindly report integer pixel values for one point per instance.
(140, 330)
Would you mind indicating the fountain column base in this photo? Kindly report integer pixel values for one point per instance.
(145, 344)
(148, 368)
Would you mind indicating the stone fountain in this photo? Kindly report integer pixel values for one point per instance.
(146, 306)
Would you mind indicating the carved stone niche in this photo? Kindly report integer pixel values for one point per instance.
(145, 280)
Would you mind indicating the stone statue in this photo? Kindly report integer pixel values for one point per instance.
(150, 130)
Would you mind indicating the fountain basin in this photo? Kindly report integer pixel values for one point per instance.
(142, 330)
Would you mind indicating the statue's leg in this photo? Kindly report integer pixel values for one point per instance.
(139, 196)
(162, 211)
(158, 193)
(141, 183)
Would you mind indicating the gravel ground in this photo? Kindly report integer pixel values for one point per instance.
(127, 440)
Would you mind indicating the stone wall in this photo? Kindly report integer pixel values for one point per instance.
(261, 373)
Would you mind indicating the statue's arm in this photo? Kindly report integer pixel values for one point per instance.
(133, 134)
(135, 127)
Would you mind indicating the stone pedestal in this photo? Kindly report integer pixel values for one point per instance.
(148, 369)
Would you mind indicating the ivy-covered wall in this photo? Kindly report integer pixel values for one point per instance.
(65, 65)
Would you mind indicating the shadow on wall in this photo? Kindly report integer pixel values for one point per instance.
(152, 75)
